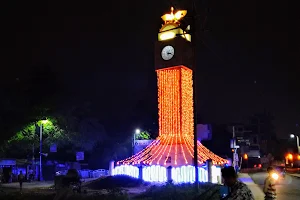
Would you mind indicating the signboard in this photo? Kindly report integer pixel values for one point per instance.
(233, 144)
(53, 148)
(7, 162)
(242, 140)
(139, 145)
(142, 142)
(79, 155)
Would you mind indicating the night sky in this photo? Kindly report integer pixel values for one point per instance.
(100, 55)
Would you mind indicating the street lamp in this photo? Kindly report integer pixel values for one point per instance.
(137, 131)
(41, 143)
(292, 136)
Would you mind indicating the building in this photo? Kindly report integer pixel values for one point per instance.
(262, 126)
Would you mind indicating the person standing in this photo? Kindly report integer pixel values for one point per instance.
(238, 190)
(269, 186)
(21, 180)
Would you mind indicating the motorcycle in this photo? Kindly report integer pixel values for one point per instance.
(275, 177)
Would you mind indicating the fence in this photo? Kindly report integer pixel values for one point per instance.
(157, 173)
(86, 173)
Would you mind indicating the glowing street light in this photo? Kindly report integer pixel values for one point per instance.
(292, 136)
(137, 131)
(44, 121)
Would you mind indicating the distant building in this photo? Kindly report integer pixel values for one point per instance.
(245, 137)
(258, 132)
(262, 125)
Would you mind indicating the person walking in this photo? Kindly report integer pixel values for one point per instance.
(269, 186)
(238, 190)
(21, 180)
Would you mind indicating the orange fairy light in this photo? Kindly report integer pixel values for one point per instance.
(176, 123)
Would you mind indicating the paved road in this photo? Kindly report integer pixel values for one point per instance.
(255, 189)
(287, 189)
(31, 185)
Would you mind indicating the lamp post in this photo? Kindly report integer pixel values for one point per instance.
(137, 131)
(292, 136)
(41, 145)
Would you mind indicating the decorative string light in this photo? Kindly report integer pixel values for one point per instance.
(176, 124)
(157, 173)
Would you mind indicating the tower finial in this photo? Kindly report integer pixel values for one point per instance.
(174, 18)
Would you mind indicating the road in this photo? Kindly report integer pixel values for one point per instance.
(287, 189)
(31, 185)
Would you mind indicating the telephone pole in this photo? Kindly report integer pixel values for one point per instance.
(235, 158)
(41, 143)
(193, 36)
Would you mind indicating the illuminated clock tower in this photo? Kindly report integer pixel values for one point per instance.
(173, 64)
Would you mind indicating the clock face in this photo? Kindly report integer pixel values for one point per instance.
(167, 52)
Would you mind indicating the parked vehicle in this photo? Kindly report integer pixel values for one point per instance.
(292, 160)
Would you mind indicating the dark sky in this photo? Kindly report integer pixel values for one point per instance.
(101, 54)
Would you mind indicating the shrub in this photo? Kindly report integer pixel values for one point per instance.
(174, 192)
(112, 182)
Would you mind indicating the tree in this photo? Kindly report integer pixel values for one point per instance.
(144, 135)
(27, 139)
(68, 132)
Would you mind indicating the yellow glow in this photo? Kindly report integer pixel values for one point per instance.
(290, 156)
(171, 28)
(186, 36)
(173, 18)
(166, 36)
(245, 156)
(168, 27)
(275, 176)
(180, 14)
(298, 157)
(44, 121)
